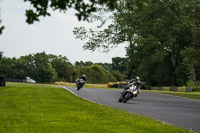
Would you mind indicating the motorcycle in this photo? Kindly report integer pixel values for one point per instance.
(129, 93)
(80, 83)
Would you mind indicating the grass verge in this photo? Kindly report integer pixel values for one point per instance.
(193, 95)
(39, 109)
(101, 86)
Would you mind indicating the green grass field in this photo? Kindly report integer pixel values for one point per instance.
(31, 108)
(193, 95)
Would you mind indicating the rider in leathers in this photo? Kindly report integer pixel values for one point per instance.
(83, 78)
(138, 85)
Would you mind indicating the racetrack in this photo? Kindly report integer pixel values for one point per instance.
(183, 112)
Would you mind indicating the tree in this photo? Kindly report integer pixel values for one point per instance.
(1, 27)
(156, 33)
(191, 62)
(106, 66)
(97, 74)
(119, 64)
(118, 75)
(6, 67)
(81, 63)
(1, 55)
(29, 66)
(44, 72)
(161, 36)
(63, 67)
(83, 8)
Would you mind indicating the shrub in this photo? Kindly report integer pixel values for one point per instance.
(195, 89)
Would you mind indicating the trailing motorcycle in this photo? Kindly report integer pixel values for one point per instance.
(80, 83)
(129, 92)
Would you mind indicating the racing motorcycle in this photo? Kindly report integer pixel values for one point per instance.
(129, 93)
(79, 83)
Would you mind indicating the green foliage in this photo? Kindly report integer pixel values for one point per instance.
(103, 72)
(83, 8)
(97, 74)
(1, 27)
(106, 66)
(1, 55)
(119, 64)
(193, 84)
(31, 16)
(196, 89)
(6, 67)
(64, 69)
(191, 62)
(160, 36)
(118, 75)
(50, 68)
(81, 63)
(44, 72)
(163, 39)
(36, 66)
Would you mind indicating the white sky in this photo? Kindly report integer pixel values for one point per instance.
(52, 34)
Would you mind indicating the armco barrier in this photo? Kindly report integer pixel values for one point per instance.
(178, 89)
(16, 80)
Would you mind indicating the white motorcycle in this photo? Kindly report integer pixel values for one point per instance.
(129, 93)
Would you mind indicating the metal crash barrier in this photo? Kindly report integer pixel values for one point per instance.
(177, 89)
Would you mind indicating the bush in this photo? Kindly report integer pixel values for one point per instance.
(117, 75)
(193, 83)
(195, 89)
(97, 74)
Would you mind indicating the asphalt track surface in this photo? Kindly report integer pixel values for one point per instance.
(182, 112)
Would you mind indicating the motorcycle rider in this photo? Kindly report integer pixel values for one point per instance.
(83, 78)
(138, 85)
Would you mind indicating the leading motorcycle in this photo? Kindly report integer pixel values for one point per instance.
(129, 92)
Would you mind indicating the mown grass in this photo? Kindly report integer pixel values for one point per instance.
(193, 95)
(38, 109)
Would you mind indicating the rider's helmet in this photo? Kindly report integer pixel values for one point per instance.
(137, 78)
(83, 75)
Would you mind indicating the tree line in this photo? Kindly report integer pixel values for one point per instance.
(45, 68)
(163, 38)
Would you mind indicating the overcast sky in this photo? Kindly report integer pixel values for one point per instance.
(52, 34)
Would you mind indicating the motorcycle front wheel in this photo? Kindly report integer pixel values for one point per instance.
(127, 97)
(79, 86)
